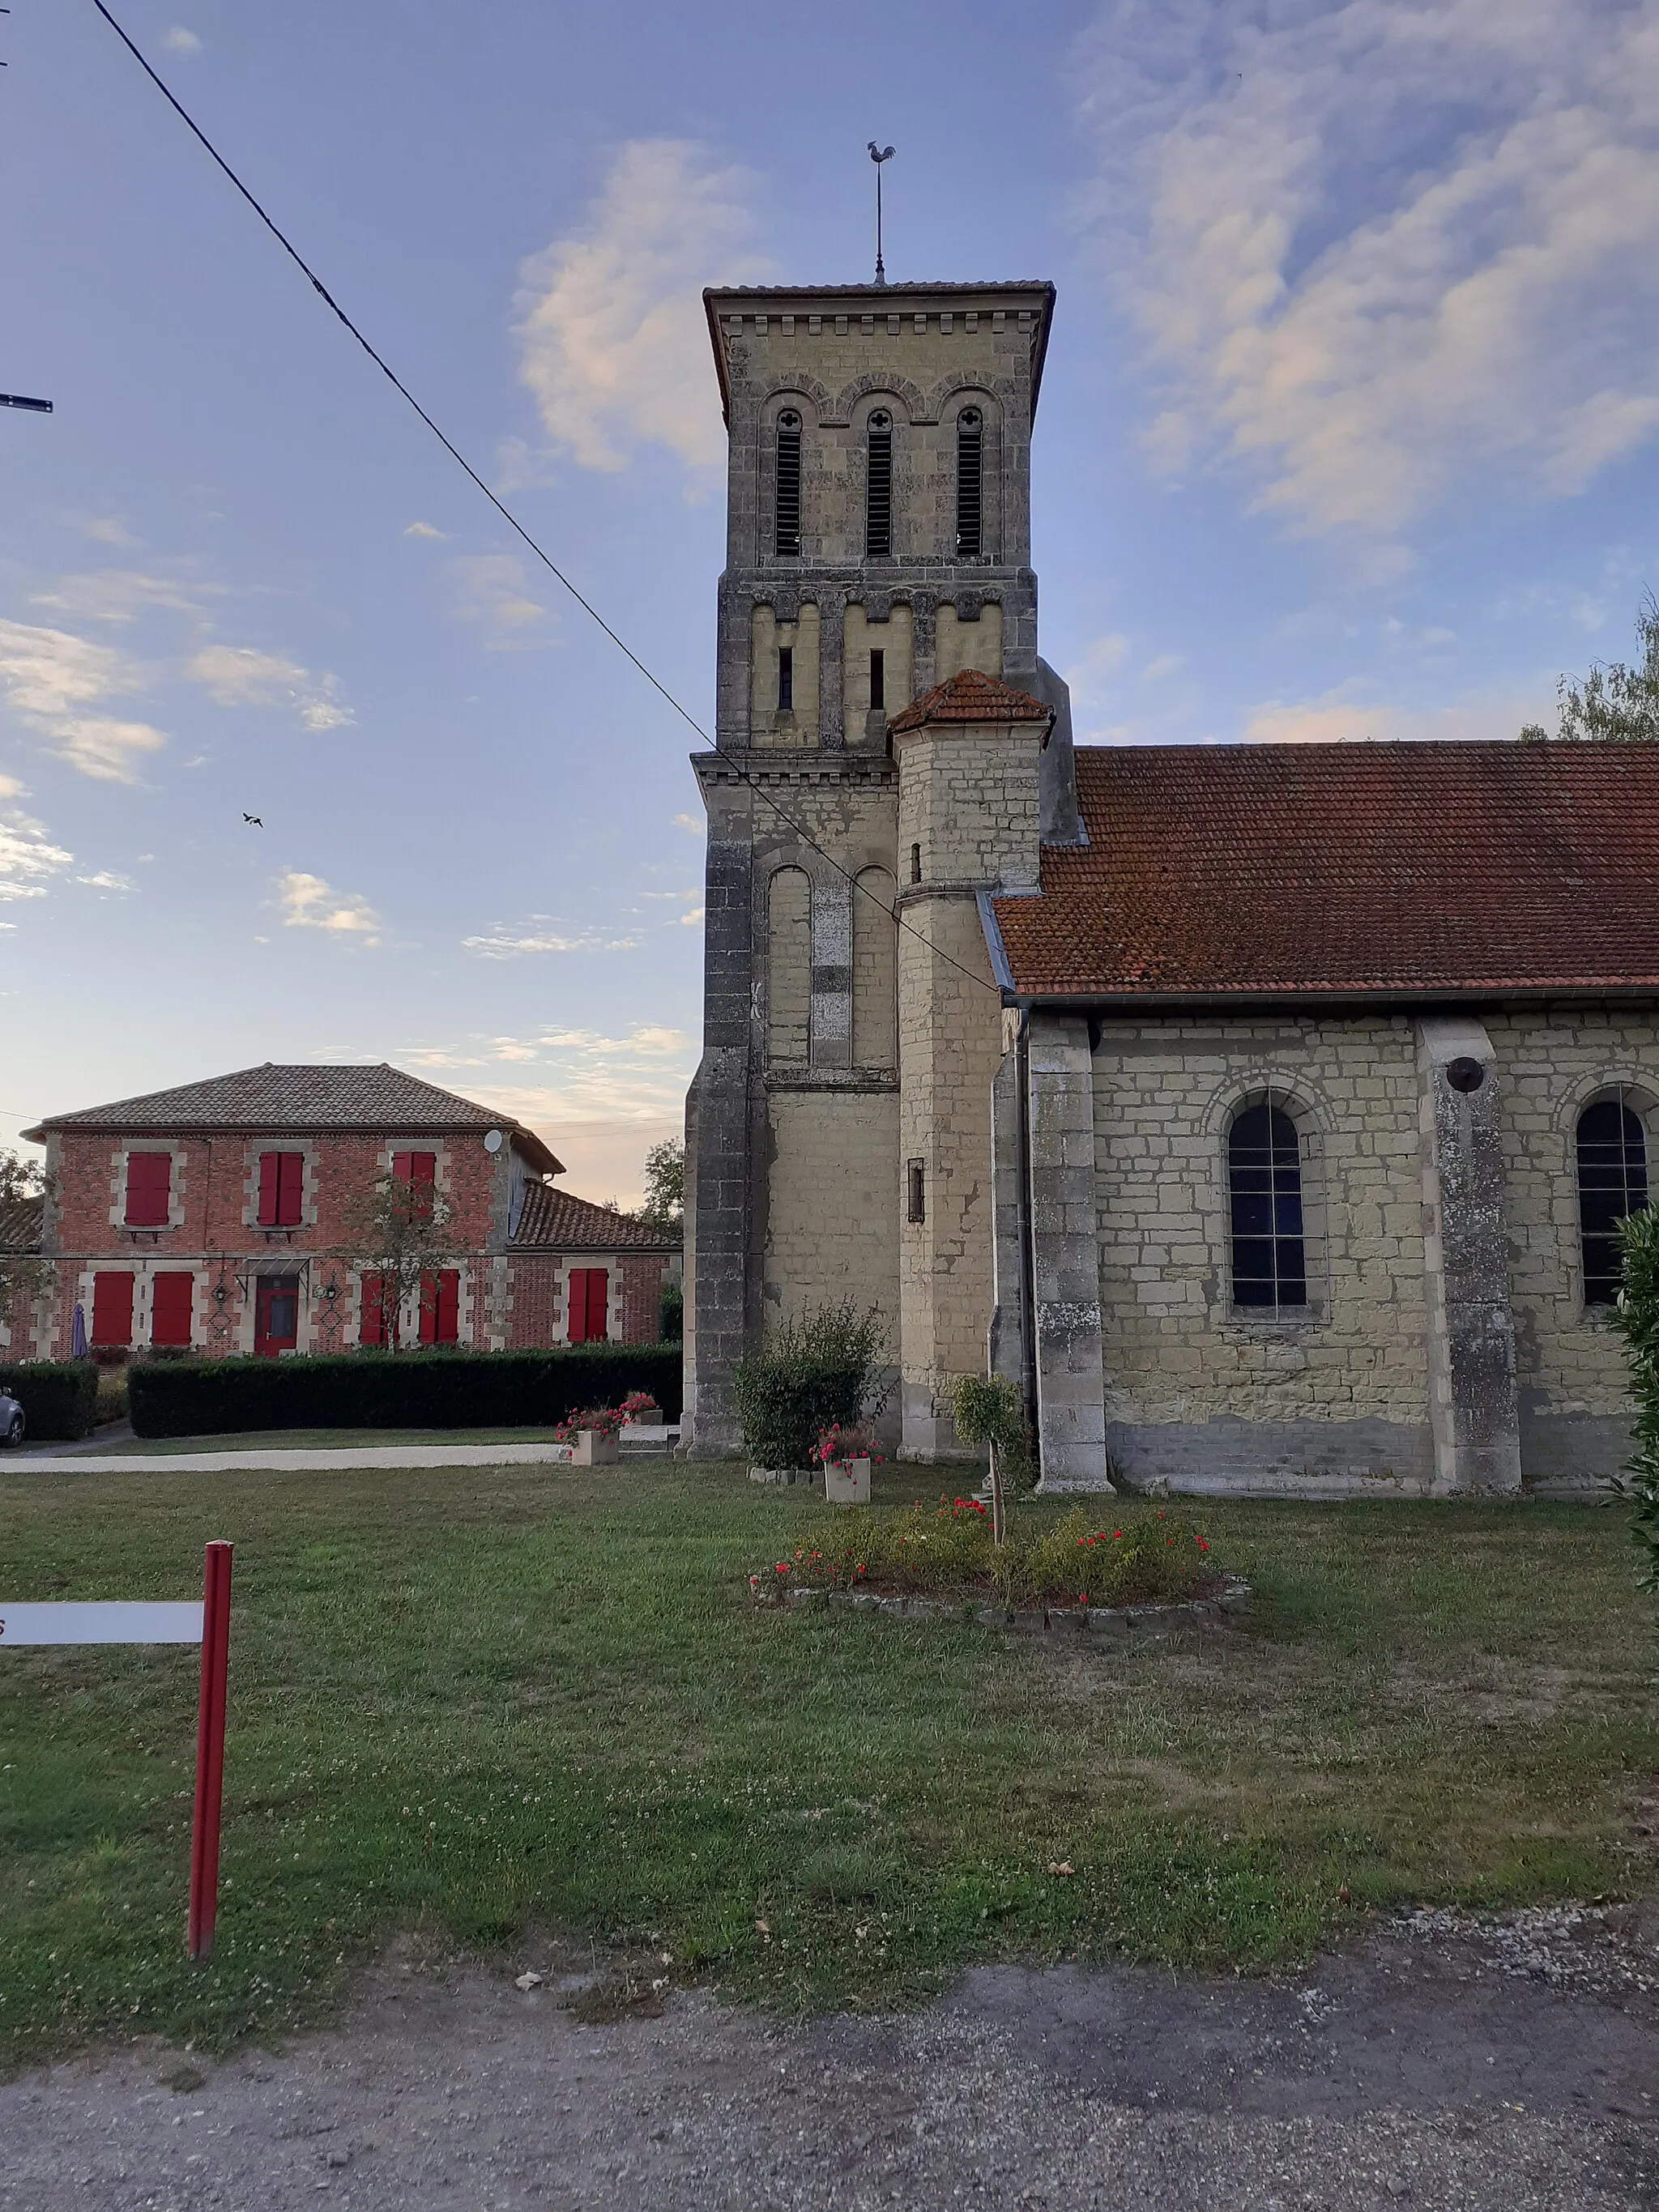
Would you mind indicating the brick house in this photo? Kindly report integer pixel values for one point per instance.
(208, 1218)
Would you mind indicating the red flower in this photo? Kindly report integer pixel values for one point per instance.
(1202, 1545)
(1118, 1533)
(783, 1566)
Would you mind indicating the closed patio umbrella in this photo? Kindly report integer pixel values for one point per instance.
(78, 1334)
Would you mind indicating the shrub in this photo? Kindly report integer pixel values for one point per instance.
(1637, 1320)
(671, 1313)
(988, 1410)
(815, 1374)
(1155, 1558)
(397, 1390)
(59, 1397)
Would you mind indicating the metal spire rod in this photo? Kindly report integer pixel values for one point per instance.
(878, 155)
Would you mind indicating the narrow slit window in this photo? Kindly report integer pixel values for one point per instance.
(878, 675)
(879, 489)
(917, 1180)
(915, 864)
(786, 680)
(788, 499)
(1264, 1178)
(970, 448)
(1613, 1182)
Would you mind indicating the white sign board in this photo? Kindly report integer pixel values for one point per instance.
(116, 1622)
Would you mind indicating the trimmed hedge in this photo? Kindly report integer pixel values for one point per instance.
(59, 1397)
(785, 1398)
(397, 1391)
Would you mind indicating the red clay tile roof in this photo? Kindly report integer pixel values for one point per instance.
(1406, 869)
(969, 696)
(557, 1221)
(20, 1225)
(274, 1097)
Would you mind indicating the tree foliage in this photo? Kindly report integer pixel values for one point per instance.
(1636, 1319)
(665, 1187)
(23, 1272)
(1616, 700)
(402, 1231)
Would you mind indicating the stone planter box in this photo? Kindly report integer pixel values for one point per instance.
(846, 1481)
(591, 1449)
(1119, 1623)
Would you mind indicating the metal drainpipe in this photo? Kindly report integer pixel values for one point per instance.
(1027, 1256)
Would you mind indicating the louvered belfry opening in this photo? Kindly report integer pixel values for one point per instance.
(970, 451)
(788, 504)
(879, 489)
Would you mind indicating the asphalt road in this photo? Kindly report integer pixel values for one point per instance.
(1491, 2069)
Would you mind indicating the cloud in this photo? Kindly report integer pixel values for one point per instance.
(178, 40)
(1379, 250)
(611, 333)
(308, 903)
(28, 860)
(241, 676)
(118, 596)
(105, 880)
(1341, 715)
(504, 943)
(690, 823)
(423, 530)
(1103, 658)
(53, 677)
(490, 590)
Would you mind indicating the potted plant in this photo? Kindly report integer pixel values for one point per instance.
(640, 1406)
(593, 1436)
(846, 1455)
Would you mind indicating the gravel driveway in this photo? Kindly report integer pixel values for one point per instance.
(1489, 2066)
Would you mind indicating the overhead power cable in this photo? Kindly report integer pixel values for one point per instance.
(511, 520)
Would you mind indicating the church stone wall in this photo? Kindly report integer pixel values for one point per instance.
(1571, 1372)
(1197, 1394)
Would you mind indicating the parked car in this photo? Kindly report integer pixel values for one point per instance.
(12, 1424)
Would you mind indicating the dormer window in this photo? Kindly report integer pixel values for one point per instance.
(787, 516)
(970, 447)
(878, 488)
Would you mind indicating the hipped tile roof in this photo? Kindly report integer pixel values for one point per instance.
(274, 1097)
(556, 1220)
(21, 1224)
(1409, 869)
(969, 696)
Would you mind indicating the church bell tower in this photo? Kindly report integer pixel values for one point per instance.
(877, 545)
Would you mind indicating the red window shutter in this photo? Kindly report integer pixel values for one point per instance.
(448, 1305)
(149, 1189)
(575, 1315)
(415, 1167)
(400, 1166)
(111, 1308)
(596, 1303)
(428, 1310)
(371, 1329)
(171, 1296)
(282, 1186)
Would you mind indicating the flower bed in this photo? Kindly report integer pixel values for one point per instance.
(1078, 1564)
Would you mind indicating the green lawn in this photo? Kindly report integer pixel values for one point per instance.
(479, 1702)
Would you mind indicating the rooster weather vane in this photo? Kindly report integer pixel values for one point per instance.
(878, 155)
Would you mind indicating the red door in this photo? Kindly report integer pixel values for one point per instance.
(275, 1314)
(590, 1305)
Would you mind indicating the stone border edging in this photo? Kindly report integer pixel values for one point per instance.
(1124, 1623)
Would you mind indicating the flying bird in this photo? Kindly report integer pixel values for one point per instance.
(254, 819)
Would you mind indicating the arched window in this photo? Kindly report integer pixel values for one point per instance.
(970, 444)
(788, 499)
(878, 488)
(1613, 1182)
(1264, 1183)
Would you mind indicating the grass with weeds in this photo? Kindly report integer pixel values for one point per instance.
(478, 1702)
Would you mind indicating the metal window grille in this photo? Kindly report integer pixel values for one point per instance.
(970, 447)
(786, 680)
(1264, 1183)
(879, 489)
(878, 675)
(788, 496)
(1613, 1182)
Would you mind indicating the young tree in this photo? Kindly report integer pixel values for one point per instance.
(665, 1187)
(1615, 700)
(1636, 1318)
(401, 1232)
(23, 1272)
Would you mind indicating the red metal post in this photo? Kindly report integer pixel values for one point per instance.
(209, 1750)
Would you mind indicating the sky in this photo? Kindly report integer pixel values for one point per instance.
(1350, 428)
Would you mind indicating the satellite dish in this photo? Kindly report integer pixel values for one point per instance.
(493, 1141)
